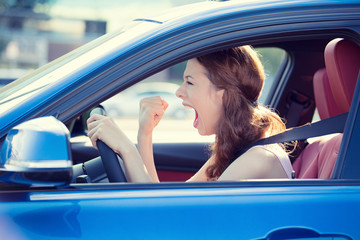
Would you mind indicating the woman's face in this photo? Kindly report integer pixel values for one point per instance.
(199, 93)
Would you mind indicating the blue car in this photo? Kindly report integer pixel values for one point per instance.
(51, 188)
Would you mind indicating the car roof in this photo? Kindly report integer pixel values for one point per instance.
(206, 9)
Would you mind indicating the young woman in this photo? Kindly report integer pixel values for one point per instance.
(223, 89)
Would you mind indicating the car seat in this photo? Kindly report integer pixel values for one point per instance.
(333, 90)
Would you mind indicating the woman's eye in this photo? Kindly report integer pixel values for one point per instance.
(189, 83)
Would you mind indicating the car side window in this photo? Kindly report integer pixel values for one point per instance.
(177, 122)
(273, 60)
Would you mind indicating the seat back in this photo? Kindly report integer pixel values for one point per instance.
(324, 99)
(311, 162)
(342, 60)
(333, 90)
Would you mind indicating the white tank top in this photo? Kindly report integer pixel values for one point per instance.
(281, 155)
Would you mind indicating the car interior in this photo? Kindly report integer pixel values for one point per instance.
(319, 77)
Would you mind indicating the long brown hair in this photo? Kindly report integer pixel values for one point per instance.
(240, 73)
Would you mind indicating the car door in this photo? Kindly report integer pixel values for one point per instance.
(243, 210)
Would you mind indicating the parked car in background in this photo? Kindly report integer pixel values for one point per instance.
(52, 189)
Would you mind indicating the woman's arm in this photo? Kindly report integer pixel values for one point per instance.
(139, 163)
(146, 152)
(151, 111)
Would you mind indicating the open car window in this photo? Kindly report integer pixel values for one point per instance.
(177, 122)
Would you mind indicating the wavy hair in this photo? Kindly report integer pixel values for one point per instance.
(240, 73)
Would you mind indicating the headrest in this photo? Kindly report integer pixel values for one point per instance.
(324, 98)
(342, 60)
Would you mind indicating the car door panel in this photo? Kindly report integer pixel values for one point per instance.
(83, 151)
(179, 161)
(245, 210)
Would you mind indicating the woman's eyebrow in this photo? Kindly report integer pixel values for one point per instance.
(188, 76)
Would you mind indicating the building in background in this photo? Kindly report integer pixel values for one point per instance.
(35, 32)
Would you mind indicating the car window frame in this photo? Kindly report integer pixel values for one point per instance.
(348, 165)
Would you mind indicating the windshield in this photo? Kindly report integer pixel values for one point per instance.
(71, 66)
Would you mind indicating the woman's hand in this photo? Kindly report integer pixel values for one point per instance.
(151, 111)
(105, 129)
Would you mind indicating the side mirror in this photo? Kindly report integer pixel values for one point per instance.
(37, 152)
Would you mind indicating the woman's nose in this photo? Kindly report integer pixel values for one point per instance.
(179, 92)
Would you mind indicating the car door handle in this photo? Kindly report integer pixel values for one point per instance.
(302, 233)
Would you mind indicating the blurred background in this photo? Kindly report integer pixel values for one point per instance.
(35, 32)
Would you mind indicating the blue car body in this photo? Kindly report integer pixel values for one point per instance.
(253, 209)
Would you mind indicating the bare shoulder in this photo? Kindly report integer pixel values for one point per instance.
(256, 163)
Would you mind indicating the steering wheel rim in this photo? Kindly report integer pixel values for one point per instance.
(109, 158)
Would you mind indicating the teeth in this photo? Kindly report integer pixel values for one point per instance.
(187, 107)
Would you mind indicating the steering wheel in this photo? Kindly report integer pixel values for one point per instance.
(109, 158)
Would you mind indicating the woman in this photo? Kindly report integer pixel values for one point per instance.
(223, 89)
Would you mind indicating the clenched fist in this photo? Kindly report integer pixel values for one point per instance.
(151, 111)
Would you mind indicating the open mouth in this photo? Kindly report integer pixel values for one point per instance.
(196, 120)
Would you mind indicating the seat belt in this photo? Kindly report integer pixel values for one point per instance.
(327, 126)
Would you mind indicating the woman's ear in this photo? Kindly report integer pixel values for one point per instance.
(220, 94)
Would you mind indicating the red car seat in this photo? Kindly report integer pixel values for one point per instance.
(342, 59)
(324, 98)
(333, 90)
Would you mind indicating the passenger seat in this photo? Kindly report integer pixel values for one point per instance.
(333, 90)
